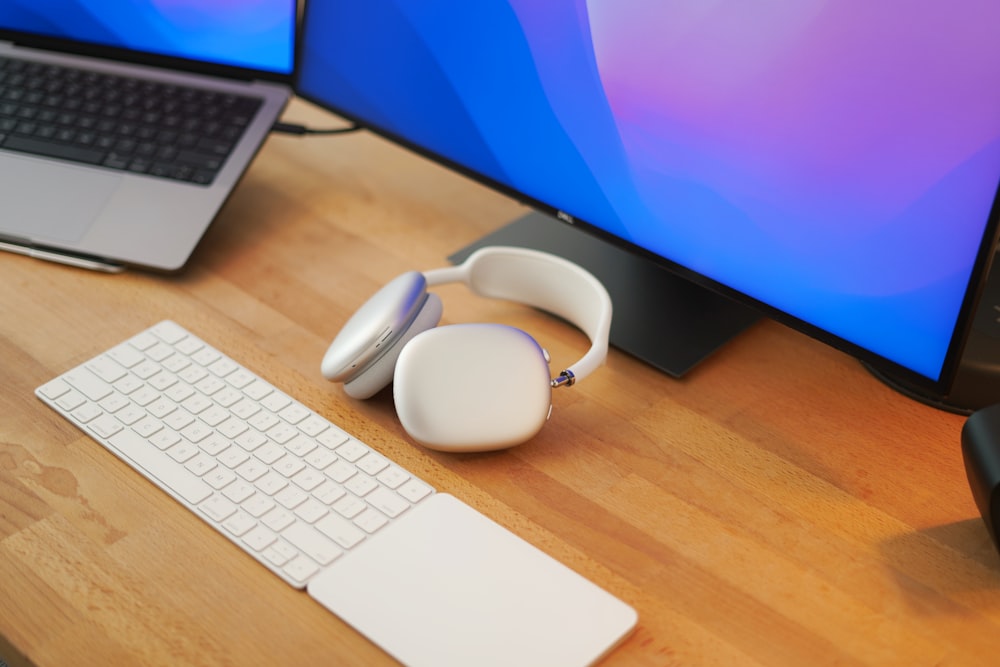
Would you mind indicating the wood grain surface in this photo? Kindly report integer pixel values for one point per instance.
(778, 506)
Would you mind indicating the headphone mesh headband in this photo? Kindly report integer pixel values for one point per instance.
(544, 281)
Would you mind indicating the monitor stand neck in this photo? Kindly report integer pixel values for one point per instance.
(659, 317)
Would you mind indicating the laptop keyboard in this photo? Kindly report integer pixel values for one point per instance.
(119, 122)
(280, 481)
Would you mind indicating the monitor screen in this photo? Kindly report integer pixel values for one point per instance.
(250, 34)
(834, 162)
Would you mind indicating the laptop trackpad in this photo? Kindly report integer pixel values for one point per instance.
(42, 200)
(448, 586)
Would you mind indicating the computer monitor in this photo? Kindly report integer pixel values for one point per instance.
(833, 164)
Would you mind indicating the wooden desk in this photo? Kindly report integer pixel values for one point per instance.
(779, 506)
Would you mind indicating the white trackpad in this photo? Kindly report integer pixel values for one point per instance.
(448, 586)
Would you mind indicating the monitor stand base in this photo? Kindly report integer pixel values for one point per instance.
(659, 317)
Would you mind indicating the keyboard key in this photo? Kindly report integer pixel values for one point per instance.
(370, 520)
(126, 355)
(201, 464)
(178, 392)
(159, 465)
(372, 463)
(219, 477)
(308, 479)
(147, 426)
(269, 453)
(341, 531)
(71, 400)
(53, 390)
(238, 491)
(263, 421)
(340, 471)
(233, 457)
(313, 425)
(300, 445)
(252, 470)
(259, 538)
(301, 569)
(290, 497)
(360, 485)
(258, 390)
(295, 413)
(349, 506)
(107, 369)
(311, 510)
(54, 149)
(239, 523)
(332, 438)
(182, 451)
(414, 490)
(352, 450)
(279, 553)
(88, 384)
(169, 332)
(393, 477)
(389, 502)
(114, 403)
(328, 492)
(86, 412)
(271, 483)
(105, 426)
(232, 427)
(218, 508)
(163, 439)
(320, 458)
(257, 505)
(278, 519)
(250, 440)
(128, 384)
(312, 543)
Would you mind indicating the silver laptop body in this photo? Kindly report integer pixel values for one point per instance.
(105, 218)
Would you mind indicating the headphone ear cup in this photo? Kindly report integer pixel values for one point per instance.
(472, 387)
(375, 327)
(377, 375)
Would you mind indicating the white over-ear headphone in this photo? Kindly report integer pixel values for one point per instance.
(469, 387)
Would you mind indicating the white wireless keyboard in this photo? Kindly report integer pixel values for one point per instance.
(283, 483)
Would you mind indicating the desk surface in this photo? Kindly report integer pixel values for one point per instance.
(778, 506)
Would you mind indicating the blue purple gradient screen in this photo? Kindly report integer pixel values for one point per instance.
(836, 159)
(254, 34)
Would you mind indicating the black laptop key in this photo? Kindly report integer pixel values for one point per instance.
(119, 123)
(199, 160)
(54, 149)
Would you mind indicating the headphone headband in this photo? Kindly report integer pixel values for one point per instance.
(545, 281)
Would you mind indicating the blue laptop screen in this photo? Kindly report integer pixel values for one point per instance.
(251, 34)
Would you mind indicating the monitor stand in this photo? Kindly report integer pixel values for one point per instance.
(659, 317)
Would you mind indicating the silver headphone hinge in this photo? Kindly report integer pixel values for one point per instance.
(565, 379)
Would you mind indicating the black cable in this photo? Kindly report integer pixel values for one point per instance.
(296, 129)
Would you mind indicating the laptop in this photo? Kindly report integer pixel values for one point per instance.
(113, 192)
